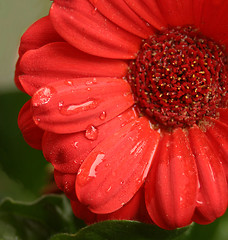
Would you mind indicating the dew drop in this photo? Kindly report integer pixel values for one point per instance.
(103, 116)
(94, 11)
(109, 189)
(69, 83)
(89, 89)
(37, 121)
(61, 104)
(122, 182)
(91, 132)
(91, 82)
(75, 144)
(79, 171)
(42, 96)
(66, 187)
(99, 159)
(78, 108)
(107, 164)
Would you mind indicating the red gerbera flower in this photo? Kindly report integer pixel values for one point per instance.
(129, 104)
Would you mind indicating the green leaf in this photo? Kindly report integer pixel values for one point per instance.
(116, 230)
(37, 220)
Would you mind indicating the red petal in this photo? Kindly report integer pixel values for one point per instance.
(217, 133)
(58, 61)
(76, 105)
(128, 212)
(223, 115)
(31, 133)
(214, 21)
(16, 76)
(83, 212)
(197, 11)
(38, 34)
(172, 185)
(66, 152)
(119, 13)
(88, 30)
(117, 167)
(66, 183)
(149, 11)
(163, 12)
(212, 198)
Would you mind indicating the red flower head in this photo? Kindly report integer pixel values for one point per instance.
(129, 104)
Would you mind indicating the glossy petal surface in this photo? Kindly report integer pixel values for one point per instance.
(172, 185)
(85, 28)
(217, 133)
(223, 115)
(119, 13)
(212, 198)
(66, 152)
(129, 211)
(114, 171)
(149, 11)
(60, 61)
(78, 104)
(176, 12)
(31, 133)
(214, 21)
(39, 34)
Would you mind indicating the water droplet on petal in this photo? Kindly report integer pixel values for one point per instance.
(66, 187)
(68, 83)
(91, 133)
(77, 108)
(42, 96)
(88, 88)
(94, 11)
(75, 144)
(109, 189)
(90, 82)
(37, 121)
(122, 182)
(61, 103)
(79, 171)
(103, 116)
(99, 159)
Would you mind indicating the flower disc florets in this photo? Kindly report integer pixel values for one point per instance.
(179, 77)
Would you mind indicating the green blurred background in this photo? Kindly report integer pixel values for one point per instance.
(23, 170)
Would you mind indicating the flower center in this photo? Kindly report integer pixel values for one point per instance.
(178, 77)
